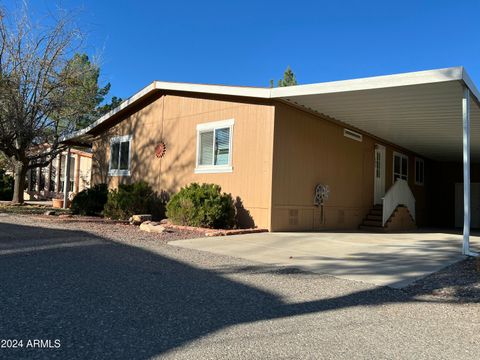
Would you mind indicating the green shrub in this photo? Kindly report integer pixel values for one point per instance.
(90, 201)
(6, 186)
(136, 198)
(202, 205)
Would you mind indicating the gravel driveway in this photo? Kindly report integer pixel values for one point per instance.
(111, 291)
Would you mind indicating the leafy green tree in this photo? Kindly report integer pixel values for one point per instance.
(84, 95)
(289, 78)
(114, 102)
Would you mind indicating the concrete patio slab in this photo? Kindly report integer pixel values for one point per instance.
(394, 260)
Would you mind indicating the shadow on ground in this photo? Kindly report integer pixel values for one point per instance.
(109, 300)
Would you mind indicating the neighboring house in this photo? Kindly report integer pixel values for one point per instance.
(376, 143)
(49, 182)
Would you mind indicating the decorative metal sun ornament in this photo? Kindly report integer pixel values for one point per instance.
(160, 150)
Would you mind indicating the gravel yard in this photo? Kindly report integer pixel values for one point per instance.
(113, 291)
(111, 230)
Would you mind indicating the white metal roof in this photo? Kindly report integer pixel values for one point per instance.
(420, 111)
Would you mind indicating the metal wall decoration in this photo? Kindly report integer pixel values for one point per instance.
(321, 194)
(160, 150)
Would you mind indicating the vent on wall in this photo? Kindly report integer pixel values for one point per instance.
(293, 216)
(352, 135)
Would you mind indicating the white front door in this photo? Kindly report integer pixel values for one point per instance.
(379, 175)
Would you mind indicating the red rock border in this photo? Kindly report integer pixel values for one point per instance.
(165, 223)
(212, 232)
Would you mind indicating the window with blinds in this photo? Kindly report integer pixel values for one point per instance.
(214, 147)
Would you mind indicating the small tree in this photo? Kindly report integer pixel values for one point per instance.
(289, 78)
(45, 90)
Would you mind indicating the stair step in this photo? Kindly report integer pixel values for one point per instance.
(373, 222)
(372, 228)
(377, 223)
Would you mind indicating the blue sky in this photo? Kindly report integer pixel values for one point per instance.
(250, 42)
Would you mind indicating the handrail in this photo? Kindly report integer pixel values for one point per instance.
(398, 194)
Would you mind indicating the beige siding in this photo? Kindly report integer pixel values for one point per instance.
(173, 119)
(309, 150)
(274, 174)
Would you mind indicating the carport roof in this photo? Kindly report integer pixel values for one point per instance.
(419, 111)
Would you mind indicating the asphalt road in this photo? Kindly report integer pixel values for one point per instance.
(109, 293)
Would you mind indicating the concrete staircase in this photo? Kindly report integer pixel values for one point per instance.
(401, 220)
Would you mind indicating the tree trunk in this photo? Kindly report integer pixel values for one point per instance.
(19, 185)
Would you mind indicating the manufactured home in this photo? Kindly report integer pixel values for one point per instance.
(379, 153)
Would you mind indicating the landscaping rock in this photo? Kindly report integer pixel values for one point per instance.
(151, 226)
(49, 212)
(139, 219)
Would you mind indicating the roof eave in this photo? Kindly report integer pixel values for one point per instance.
(371, 83)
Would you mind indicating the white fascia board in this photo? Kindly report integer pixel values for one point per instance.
(375, 82)
(263, 93)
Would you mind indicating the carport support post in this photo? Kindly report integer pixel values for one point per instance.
(66, 182)
(466, 170)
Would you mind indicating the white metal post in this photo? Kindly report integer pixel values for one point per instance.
(466, 170)
(66, 182)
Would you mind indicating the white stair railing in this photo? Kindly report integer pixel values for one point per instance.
(398, 194)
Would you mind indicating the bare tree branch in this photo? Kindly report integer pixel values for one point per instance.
(41, 94)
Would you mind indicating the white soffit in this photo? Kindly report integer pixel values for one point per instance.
(420, 111)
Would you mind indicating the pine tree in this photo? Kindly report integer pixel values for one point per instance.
(289, 78)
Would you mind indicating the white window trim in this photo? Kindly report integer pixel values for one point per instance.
(120, 139)
(423, 175)
(393, 164)
(212, 169)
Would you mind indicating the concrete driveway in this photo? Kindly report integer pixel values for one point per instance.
(394, 260)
